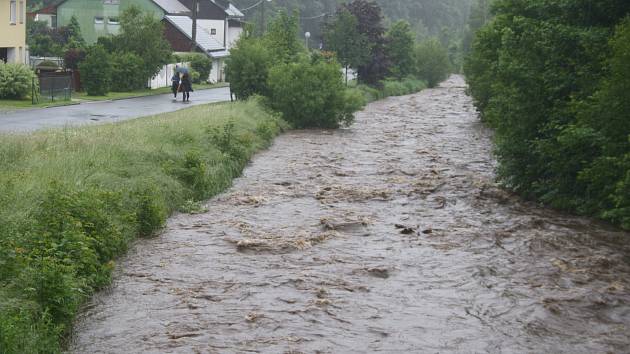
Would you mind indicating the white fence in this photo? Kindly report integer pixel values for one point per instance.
(163, 78)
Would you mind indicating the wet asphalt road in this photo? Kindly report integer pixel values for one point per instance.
(104, 111)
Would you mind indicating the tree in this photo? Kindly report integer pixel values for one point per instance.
(75, 39)
(142, 35)
(370, 24)
(248, 67)
(342, 36)
(96, 71)
(282, 37)
(552, 79)
(400, 47)
(432, 62)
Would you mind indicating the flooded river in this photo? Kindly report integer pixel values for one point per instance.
(389, 236)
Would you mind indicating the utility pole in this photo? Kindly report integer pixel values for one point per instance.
(195, 8)
(262, 16)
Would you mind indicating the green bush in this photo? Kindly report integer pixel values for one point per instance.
(310, 94)
(201, 64)
(556, 89)
(248, 68)
(96, 71)
(126, 73)
(432, 62)
(403, 87)
(370, 93)
(16, 80)
(391, 87)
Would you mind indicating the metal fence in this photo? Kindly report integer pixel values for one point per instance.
(53, 87)
(35, 61)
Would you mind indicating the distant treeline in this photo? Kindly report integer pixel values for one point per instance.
(444, 19)
(553, 78)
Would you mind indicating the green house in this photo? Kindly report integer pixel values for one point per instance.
(99, 18)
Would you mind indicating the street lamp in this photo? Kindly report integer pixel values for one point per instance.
(307, 35)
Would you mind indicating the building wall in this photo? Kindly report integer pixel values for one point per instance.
(51, 20)
(87, 11)
(217, 25)
(13, 35)
(234, 33)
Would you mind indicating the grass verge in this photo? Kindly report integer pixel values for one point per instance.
(73, 199)
(390, 88)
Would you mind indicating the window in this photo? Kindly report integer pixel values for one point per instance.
(113, 21)
(99, 20)
(21, 11)
(213, 31)
(13, 12)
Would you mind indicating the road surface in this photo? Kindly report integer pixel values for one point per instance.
(104, 111)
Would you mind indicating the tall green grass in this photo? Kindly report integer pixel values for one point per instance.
(71, 200)
(391, 87)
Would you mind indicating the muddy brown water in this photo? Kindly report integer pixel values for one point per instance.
(389, 236)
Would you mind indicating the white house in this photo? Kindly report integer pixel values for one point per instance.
(219, 25)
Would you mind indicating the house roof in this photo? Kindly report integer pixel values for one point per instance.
(204, 39)
(228, 8)
(220, 54)
(232, 11)
(172, 7)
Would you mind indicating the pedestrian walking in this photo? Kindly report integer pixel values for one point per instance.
(175, 84)
(185, 87)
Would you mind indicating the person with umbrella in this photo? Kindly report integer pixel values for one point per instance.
(175, 82)
(185, 86)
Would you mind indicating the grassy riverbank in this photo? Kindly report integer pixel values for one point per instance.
(73, 199)
(390, 88)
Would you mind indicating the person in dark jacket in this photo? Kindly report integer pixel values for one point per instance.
(186, 87)
(175, 84)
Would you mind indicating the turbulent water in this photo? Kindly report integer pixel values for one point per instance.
(389, 236)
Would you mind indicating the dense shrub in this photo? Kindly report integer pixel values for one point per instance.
(432, 62)
(310, 94)
(554, 85)
(403, 87)
(16, 80)
(200, 63)
(389, 88)
(126, 73)
(96, 71)
(248, 68)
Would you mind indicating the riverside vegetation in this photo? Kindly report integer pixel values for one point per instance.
(552, 77)
(73, 199)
